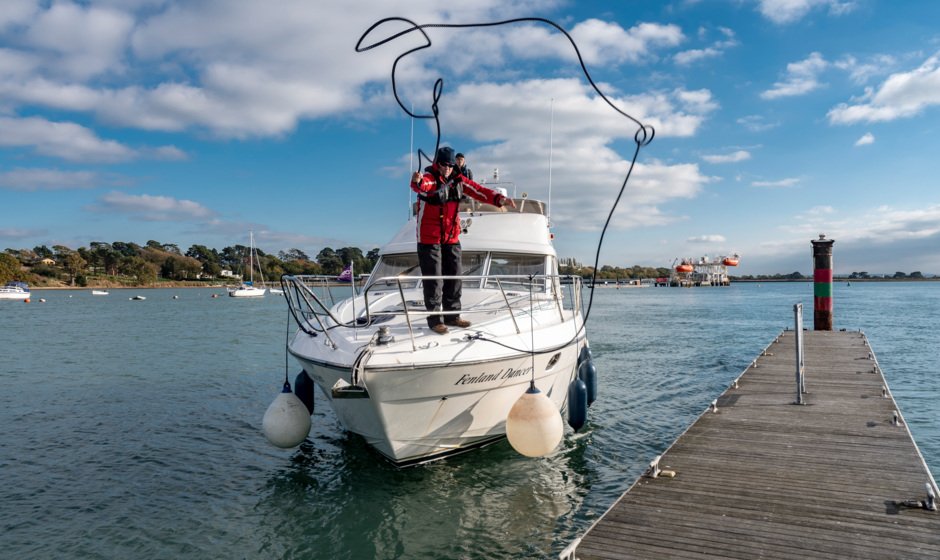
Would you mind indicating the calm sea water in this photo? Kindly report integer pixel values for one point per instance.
(131, 429)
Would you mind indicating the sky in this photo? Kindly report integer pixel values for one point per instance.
(195, 122)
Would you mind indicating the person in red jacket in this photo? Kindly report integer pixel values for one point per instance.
(440, 190)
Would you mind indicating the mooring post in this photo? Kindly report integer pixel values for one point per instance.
(798, 331)
(822, 283)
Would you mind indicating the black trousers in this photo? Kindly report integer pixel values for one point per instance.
(440, 260)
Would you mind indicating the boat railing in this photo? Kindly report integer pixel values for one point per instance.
(523, 205)
(314, 315)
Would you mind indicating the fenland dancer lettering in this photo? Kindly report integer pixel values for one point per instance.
(505, 373)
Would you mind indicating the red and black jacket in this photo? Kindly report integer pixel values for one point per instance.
(439, 203)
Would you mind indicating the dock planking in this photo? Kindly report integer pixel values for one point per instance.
(762, 477)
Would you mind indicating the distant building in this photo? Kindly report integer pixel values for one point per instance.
(228, 274)
(47, 261)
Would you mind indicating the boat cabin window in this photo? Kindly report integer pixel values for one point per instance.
(471, 264)
(517, 265)
(405, 265)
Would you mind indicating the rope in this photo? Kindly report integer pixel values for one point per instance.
(642, 137)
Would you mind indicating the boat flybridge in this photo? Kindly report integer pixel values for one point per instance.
(416, 395)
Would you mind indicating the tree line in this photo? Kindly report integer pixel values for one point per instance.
(128, 263)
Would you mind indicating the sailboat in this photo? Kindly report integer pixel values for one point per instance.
(248, 289)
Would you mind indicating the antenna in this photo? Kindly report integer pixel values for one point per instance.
(551, 146)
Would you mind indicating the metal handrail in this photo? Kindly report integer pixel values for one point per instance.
(306, 306)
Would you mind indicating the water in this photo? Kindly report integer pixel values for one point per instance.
(132, 428)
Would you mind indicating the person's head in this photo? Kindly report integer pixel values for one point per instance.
(461, 161)
(445, 160)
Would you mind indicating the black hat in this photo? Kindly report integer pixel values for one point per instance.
(460, 155)
(445, 155)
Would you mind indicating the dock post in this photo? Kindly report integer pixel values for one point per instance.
(822, 283)
(798, 328)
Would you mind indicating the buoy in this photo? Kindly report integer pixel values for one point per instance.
(577, 403)
(588, 373)
(303, 388)
(176, 297)
(26, 300)
(42, 300)
(534, 426)
(286, 423)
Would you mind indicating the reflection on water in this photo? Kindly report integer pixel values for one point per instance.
(132, 429)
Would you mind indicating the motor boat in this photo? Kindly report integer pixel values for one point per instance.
(15, 291)
(416, 395)
(100, 292)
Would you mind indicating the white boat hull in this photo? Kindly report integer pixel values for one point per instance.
(247, 292)
(422, 413)
(14, 295)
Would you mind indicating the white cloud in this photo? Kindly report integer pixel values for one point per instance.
(80, 41)
(64, 140)
(704, 239)
(17, 12)
(862, 72)
(601, 42)
(782, 183)
(902, 95)
(716, 49)
(48, 180)
(756, 123)
(690, 56)
(152, 208)
(16, 234)
(740, 155)
(73, 142)
(866, 139)
(240, 69)
(789, 11)
(883, 225)
(801, 78)
(513, 121)
(820, 210)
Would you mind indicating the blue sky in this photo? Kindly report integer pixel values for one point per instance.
(194, 121)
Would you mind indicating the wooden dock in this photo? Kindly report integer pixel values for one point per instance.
(762, 477)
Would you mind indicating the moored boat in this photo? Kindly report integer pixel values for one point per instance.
(14, 291)
(416, 395)
(248, 289)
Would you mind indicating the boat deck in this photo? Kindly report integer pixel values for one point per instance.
(762, 477)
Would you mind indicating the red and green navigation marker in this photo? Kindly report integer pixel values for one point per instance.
(822, 283)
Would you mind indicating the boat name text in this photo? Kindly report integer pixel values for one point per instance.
(505, 373)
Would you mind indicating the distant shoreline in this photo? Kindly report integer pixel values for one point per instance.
(600, 283)
(836, 280)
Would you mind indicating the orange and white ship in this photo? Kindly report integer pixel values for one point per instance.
(704, 271)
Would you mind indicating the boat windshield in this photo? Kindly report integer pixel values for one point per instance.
(406, 265)
(516, 265)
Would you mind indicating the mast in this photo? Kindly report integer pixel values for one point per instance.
(551, 146)
(411, 155)
(251, 262)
